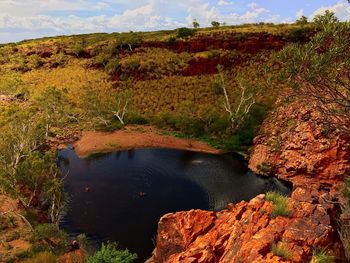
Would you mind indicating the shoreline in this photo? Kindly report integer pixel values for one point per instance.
(136, 137)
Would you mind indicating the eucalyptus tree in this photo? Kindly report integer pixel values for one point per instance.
(319, 70)
(240, 106)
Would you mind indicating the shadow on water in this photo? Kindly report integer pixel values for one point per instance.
(121, 196)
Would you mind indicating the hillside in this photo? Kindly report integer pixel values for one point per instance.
(236, 88)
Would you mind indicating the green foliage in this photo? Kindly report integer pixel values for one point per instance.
(280, 204)
(78, 48)
(112, 66)
(54, 106)
(195, 24)
(109, 254)
(35, 62)
(131, 40)
(11, 84)
(135, 118)
(281, 251)
(48, 231)
(184, 32)
(215, 23)
(318, 70)
(298, 34)
(185, 124)
(48, 237)
(322, 21)
(265, 168)
(302, 20)
(154, 63)
(42, 257)
(84, 243)
(322, 256)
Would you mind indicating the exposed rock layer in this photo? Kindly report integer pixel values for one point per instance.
(296, 147)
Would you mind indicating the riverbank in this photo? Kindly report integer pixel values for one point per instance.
(136, 137)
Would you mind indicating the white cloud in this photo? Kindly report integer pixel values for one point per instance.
(341, 10)
(300, 13)
(33, 18)
(224, 2)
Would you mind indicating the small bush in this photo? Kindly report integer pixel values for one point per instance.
(43, 257)
(112, 66)
(322, 256)
(111, 126)
(280, 204)
(136, 119)
(280, 250)
(185, 32)
(109, 254)
(47, 231)
(43, 236)
(297, 34)
(264, 167)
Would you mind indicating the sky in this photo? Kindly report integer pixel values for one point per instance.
(27, 19)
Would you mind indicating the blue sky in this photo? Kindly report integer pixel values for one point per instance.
(23, 19)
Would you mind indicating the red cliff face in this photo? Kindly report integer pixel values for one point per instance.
(246, 43)
(245, 232)
(296, 147)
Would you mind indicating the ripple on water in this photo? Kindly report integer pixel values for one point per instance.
(129, 191)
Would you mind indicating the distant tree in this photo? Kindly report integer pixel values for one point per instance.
(131, 40)
(120, 106)
(185, 32)
(302, 20)
(215, 23)
(53, 104)
(195, 24)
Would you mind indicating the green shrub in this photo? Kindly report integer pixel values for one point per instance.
(322, 256)
(136, 119)
(297, 34)
(172, 40)
(109, 254)
(43, 257)
(111, 126)
(46, 232)
(184, 32)
(263, 167)
(280, 204)
(112, 66)
(280, 250)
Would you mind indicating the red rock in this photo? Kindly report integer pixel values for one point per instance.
(302, 153)
(242, 233)
(296, 151)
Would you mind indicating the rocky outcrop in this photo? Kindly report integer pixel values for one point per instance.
(297, 146)
(247, 43)
(245, 232)
(14, 231)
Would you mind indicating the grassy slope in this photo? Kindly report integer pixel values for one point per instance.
(154, 76)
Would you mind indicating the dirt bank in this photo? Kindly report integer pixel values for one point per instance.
(136, 137)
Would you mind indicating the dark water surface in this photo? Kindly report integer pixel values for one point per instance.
(121, 196)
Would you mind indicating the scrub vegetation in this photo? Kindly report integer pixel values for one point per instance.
(219, 92)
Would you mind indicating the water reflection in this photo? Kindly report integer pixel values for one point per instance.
(129, 191)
